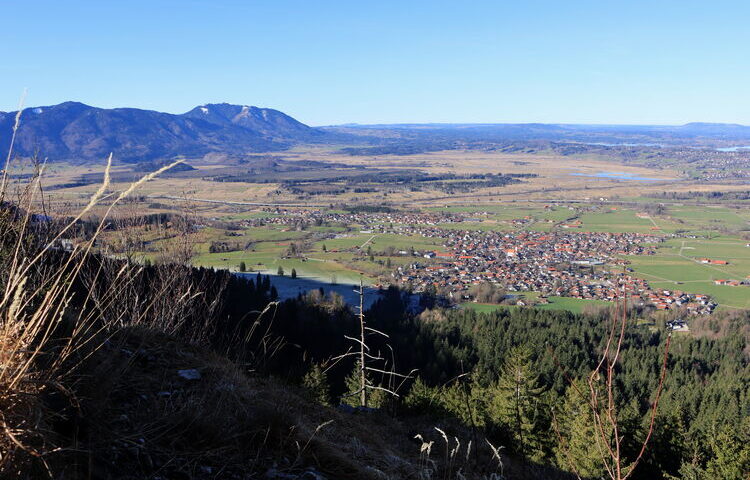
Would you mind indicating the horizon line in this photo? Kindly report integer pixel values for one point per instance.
(405, 123)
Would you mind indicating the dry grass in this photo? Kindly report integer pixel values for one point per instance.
(138, 415)
(554, 181)
(41, 338)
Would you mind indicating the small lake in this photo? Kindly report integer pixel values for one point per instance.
(733, 149)
(618, 176)
(604, 144)
(289, 287)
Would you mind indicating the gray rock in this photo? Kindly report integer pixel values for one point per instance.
(274, 474)
(189, 374)
(312, 475)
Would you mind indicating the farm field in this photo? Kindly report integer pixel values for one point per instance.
(574, 305)
(678, 266)
(712, 217)
(378, 242)
(268, 258)
(616, 221)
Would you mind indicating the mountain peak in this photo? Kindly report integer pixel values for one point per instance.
(267, 121)
(79, 132)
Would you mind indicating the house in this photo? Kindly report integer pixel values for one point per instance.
(678, 326)
(714, 262)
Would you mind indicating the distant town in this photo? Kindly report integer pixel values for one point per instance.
(563, 263)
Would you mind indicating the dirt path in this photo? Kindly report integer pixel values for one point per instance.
(368, 241)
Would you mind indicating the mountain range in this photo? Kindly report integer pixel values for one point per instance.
(78, 132)
(561, 131)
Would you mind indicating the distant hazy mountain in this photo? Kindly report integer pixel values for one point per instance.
(720, 130)
(74, 131)
(78, 132)
(703, 134)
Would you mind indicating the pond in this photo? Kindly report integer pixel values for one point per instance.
(289, 287)
(733, 149)
(619, 176)
(605, 144)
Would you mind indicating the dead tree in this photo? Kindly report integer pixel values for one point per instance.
(602, 403)
(366, 359)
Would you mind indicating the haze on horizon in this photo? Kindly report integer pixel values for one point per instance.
(336, 62)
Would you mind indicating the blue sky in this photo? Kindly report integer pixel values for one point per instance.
(328, 62)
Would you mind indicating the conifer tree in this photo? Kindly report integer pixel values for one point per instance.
(375, 398)
(421, 397)
(315, 382)
(516, 402)
(576, 448)
(467, 400)
(730, 447)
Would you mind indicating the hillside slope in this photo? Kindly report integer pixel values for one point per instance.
(154, 407)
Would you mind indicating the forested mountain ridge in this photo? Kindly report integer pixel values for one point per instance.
(78, 132)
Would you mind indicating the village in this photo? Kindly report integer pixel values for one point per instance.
(578, 265)
(562, 263)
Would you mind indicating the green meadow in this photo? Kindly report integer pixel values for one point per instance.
(266, 258)
(575, 305)
(378, 242)
(615, 221)
(677, 265)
